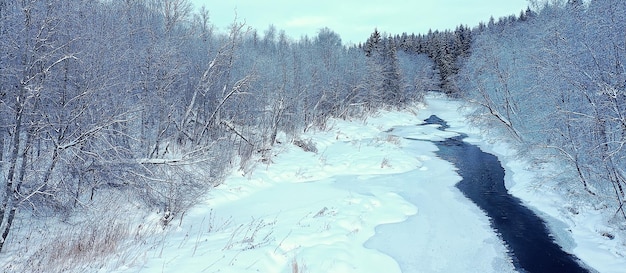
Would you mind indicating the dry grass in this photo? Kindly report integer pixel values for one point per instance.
(385, 163)
(78, 249)
(297, 268)
(253, 235)
(393, 139)
(100, 237)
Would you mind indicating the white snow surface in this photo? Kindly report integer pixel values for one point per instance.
(368, 201)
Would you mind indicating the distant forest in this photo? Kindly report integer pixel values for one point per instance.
(143, 100)
(553, 79)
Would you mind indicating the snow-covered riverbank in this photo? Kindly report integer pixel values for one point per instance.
(367, 201)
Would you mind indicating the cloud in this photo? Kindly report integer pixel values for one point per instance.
(354, 20)
(307, 21)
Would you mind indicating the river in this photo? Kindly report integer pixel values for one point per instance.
(530, 245)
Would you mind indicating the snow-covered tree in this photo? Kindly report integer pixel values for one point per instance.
(556, 80)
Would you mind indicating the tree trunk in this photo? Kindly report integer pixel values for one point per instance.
(8, 190)
(16, 196)
(11, 187)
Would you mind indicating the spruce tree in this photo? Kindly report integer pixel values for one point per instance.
(372, 44)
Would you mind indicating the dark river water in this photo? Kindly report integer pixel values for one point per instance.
(530, 245)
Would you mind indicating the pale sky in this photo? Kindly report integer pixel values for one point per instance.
(355, 20)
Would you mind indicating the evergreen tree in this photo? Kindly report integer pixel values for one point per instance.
(384, 71)
(391, 87)
(373, 43)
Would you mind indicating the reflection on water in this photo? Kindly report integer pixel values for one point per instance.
(530, 245)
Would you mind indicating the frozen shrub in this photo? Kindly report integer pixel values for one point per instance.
(306, 145)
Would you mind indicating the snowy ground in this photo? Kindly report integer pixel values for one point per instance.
(367, 201)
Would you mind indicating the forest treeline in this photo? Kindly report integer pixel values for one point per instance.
(145, 99)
